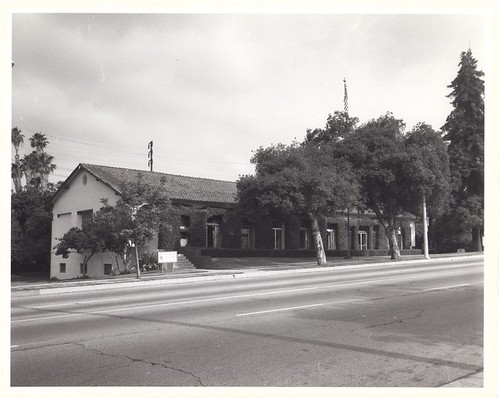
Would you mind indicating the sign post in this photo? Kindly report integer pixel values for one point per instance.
(167, 258)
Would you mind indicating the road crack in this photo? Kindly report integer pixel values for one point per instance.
(151, 363)
(401, 320)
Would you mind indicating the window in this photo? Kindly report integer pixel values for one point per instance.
(278, 238)
(305, 238)
(362, 240)
(376, 236)
(279, 235)
(246, 238)
(330, 239)
(84, 217)
(107, 269)
(185, 222)
(62, 268)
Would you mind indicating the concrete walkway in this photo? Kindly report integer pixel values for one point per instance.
(222, 268)
(475, 380)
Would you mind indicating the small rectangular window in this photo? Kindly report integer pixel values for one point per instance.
(107, 269)
(62, 268)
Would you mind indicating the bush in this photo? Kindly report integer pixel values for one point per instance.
(148, 261)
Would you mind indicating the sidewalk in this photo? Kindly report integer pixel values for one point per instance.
(473, 380)
(224, 268)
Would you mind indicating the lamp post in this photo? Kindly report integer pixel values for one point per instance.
(135, 209)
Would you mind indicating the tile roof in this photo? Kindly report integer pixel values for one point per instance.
(179, 187)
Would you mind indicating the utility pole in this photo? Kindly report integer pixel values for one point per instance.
(150, 156)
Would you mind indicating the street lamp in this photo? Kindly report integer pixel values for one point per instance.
(135, 209)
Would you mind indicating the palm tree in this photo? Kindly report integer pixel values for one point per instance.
(39, 142)
(37, 165)
(29, 167)
(17, 140)
(44, 168)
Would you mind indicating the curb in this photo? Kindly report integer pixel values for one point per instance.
(26, 291)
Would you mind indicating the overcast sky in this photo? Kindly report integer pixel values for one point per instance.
(208, 89)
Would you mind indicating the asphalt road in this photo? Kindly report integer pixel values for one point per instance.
(419, 324)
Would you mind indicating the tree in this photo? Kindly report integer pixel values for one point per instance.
(37, 165)
(141, 209)
(464, 128)
(44, 167)
(376, 151)
(31, 222)
(85, 241)
(17, 140)
(297, 179)
(428, 181)
(338, 126)
(39, 142)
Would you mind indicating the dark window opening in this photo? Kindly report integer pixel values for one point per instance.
(107, 269)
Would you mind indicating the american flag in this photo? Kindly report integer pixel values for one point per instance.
(346, 107)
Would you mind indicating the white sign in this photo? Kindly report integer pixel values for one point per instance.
(167, 257)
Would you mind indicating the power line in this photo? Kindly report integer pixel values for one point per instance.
(104, 149)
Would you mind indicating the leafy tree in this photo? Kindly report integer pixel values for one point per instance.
(297, 179)
(85, 241)
(376, 150)
(428, 171)
(428, 174)
(338, 126)
(464, 128)
(140, 211)
(31, 222)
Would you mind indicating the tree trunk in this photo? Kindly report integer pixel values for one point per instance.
(390, 232)
(138, 275)
(17, 183)
(318, 242)
(426, 229)
(16, 177)
(393, 244)
(85, 262)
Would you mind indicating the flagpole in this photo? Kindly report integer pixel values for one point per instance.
(346, 110)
